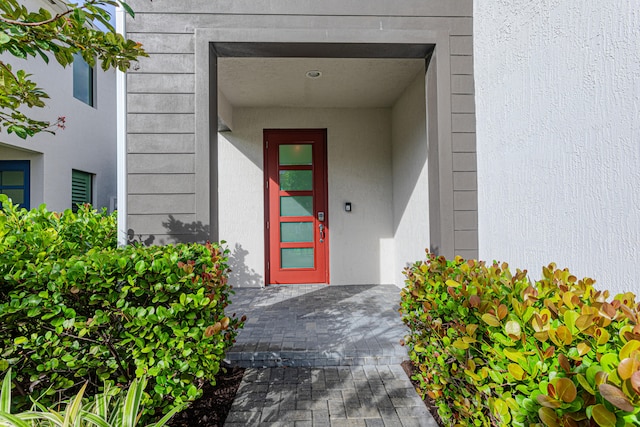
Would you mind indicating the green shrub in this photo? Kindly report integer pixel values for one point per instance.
(35, 235)
(72, 311)
(491, 348)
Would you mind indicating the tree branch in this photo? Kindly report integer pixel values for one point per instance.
(115, 355)
(36, 24)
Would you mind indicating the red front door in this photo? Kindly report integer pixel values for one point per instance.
(297, 223)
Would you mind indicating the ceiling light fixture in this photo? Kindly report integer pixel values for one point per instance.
(314, 74)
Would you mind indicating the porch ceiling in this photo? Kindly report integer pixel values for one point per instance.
(345, 82)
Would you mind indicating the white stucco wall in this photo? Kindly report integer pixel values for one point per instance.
(87, 143)
(558, 125)
(359, 169)
(410, 177)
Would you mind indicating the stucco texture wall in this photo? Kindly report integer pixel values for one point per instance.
(558, 128)
(360, 172)
(410, 177)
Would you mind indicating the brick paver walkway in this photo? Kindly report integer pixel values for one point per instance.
(323, 356)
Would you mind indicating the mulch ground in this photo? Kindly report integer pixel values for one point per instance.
(409, 370)
(212, 408)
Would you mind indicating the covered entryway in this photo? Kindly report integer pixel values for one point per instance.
(371, 104)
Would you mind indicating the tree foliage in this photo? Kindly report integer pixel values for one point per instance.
(28, 34)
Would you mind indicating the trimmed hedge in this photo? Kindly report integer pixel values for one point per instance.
(492, 348)
(73, 308)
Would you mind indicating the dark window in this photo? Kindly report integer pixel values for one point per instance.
(81, 189)
(83, 86)
(14, 181)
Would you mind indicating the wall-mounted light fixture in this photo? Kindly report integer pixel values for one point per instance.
(347, 207)
(314, 74)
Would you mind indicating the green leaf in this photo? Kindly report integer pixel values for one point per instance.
(585, 384)
(73, 408)
(127, 9)
(570, 318)
(460, 344)
(516, 371)
(629, 348)
(548, 417)
(164, 420)
(490, 319)
(609, 362)
(13, 420)
(132, 402)
(192, 391)
(5, 393)
(20, 340)
(515, 356)
(602, 416)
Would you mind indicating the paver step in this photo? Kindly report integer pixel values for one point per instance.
(272, 359)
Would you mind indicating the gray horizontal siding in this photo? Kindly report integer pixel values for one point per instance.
(463, 104)
(467, 254)
(464, 162)
(161, 143)
(161, 103)
(465, 201)
(160, 123)
(161, 183)
(466, 239)
(444, 8)
(158, 224)
(463, 122)
(462, 85)
(160, 163)
(180, 23)
(165, 63)
(160, 83)
(466, 220)
(462, 65)
(461, 45)
(166, 204)
(161, 43)
(463, 142)
(465, 181)
(168, 239)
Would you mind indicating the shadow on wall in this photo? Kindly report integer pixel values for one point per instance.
(177, 232)
(197, 232)
(241, 275)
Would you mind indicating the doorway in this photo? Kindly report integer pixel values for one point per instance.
(296, 206)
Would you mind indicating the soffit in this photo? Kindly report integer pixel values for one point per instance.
(345, 82)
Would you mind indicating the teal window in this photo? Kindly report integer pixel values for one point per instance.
(81, 189)
(14, 181)
(83, 80)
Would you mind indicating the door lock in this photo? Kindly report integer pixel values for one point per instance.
(321, 216)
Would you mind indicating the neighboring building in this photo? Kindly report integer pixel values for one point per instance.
(78, 164)
(326, 141)
(558, 105)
